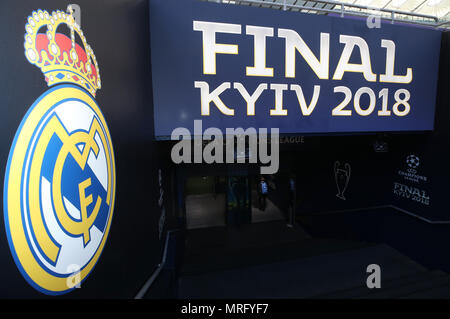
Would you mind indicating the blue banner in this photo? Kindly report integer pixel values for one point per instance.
(239, 66)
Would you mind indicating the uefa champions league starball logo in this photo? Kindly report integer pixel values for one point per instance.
(413, 161)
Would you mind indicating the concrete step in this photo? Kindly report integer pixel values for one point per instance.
(386, 285)
(439, 290)
(299, 278)
(222, 259)
(422, 286)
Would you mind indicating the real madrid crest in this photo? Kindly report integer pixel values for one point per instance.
(60, 178)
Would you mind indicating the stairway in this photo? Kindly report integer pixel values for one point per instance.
(312, 269)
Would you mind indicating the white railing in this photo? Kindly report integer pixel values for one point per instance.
(344, 9)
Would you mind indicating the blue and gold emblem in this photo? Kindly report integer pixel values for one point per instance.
(60, 178)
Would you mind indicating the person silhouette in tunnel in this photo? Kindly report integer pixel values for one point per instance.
(263, 192)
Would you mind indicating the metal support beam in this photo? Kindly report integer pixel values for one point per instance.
(352, 9)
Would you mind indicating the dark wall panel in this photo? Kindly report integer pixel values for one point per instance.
(118, 32)
(433, 151)
(313, 164)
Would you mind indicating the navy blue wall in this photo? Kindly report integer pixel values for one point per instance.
(433, 149)
(424, 242)
(373, 174)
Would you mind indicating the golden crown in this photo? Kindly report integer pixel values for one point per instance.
(59, 57)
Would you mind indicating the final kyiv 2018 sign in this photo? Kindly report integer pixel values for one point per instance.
(236, 66)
